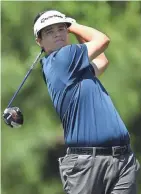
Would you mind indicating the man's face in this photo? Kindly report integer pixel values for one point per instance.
(53, 37)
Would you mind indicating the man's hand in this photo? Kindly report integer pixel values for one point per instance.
(71, 20)
(13, 117)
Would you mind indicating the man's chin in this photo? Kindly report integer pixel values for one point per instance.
(60, 46)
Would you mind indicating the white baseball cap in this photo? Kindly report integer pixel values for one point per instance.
(49, 18)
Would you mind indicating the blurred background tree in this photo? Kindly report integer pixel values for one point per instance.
(29, 154)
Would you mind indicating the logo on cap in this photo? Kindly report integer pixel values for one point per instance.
(44, 19)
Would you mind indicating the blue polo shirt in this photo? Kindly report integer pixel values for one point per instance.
(87, 113)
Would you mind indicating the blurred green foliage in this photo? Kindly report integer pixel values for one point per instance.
(25, 159)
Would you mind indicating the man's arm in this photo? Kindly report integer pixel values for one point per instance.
(100, 63)
(96, 41)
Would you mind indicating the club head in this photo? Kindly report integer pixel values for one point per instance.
(13, 117)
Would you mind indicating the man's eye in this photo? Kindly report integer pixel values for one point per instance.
(61, 29)
(49, 32)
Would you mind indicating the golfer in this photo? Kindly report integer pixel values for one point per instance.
(98, 159)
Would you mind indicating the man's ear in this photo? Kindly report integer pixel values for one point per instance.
(39, 42)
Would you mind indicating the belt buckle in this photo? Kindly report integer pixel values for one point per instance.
(115, 149)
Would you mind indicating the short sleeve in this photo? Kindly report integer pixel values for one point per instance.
(70, 61)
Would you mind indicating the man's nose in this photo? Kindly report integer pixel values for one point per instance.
(57, 33)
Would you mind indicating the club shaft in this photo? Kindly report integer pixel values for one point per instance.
(25, 78)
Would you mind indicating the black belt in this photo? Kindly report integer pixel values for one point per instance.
(113, 151)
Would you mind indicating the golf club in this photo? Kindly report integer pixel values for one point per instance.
(26, 76)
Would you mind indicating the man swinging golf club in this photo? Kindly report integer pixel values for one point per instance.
(99, 159)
